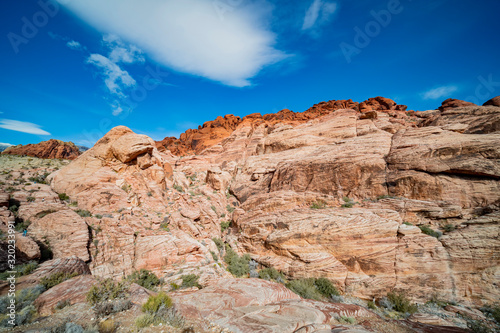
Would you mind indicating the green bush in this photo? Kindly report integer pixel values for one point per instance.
(106, 290)
(348, 203)
(493, 311)
(83, 213)
(63, 196)
(230, 208)
(271, 274)
(214, 256)
(428, 231)
(318, 204)
(477, 326)
(305, 288)
(371, 305)
(224, 225)
(190, 280)
(30, 199)
(219, 243)
(20, 227)
(144, 320)
(154, 303)
(56, 278)
(144, 278)
(312, 288)
(179, 188)
(326, 287)
(236, 265)
(448, 227)
(401, 303)
(407, 223)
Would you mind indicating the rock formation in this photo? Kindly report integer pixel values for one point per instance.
(368, 195)
(46, 149)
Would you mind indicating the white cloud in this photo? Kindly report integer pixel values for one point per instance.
(74, 45)
(189, 36)
(439, 92)
(5, 144)
(313, 18)
(115, 78)
(121, 52)
(22, 126)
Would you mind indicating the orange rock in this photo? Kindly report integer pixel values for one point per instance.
(46, 149)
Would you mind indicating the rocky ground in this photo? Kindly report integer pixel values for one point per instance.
(357, 217)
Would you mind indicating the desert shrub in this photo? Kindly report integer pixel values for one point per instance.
(380, 197)
(347, 320)
(448, 227)
(26, 315)
(20, 227)
(73, 204)
(318, 204)
(305, 288)
(23, 269)
(39, 178)
(108, 326)
(144, 278)
(105, 290)
(83, 213)
(477, 326)
(144, 320)
(493, 311)
(428, 231)
(98, 216)
(14, 209)
(104, 309)
(407, 223)
(155, 303)
(401, 303)
(27, 296)
(159, 309)
(30, 199)
(214, 256)
(236, 265)
(214, 209)
(271, 274)
(219, 243)
(371, 305)
(190, 280)
(224, 225)
(312, 288)
(56, 278)
(348, 203)
(230, 208)
(73, 328)
(63, 196)
(326, 287)
(178, 188)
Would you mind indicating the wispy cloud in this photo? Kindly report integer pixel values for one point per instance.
(439, 92)
(189, 36)
(74, 45)
(320, 12)
(122, 52)
(115, 78)
(22, 126)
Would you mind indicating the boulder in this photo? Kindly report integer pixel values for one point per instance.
(495, 101)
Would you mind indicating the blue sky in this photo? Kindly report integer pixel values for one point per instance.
(73, 69)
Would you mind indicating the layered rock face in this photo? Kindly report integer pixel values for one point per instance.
(213, 132)
(437, 170)
(46, 149)
(370, 196)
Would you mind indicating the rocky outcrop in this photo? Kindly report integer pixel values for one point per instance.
(214, 132)
(46, 149)
(72, 291)
(253, 305)
(64, 232)
(451, 103)
(495, 101)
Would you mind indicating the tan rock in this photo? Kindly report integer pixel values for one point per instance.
(64, 231)
(73, 291)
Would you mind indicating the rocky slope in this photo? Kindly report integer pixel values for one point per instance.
(46, 149)
(370, 196)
